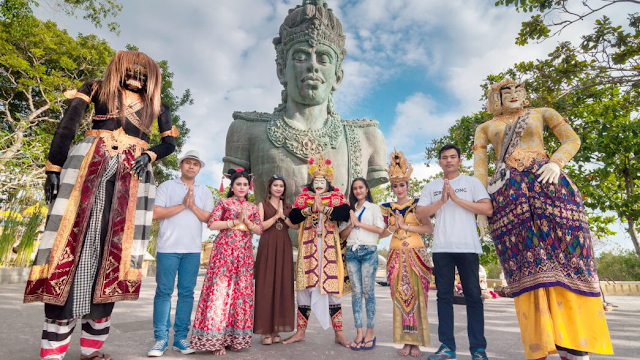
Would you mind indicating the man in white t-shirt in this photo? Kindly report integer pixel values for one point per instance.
(455, 200)
(182, 205)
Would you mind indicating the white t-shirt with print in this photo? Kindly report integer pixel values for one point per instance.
(455, 228)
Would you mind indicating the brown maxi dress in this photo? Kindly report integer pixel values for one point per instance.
(273, 272)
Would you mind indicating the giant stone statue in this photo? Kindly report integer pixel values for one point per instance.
(310, 50)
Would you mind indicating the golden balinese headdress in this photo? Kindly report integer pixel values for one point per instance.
(399, 169)
(494, 104)
(321, 167)
(313, 22)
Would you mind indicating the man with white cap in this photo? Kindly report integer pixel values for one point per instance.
(182, 206)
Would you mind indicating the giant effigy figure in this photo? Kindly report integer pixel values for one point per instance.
(540, 229)
(101, 192)
(310, 50)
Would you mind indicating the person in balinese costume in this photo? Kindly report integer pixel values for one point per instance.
(101, 194)
(540, 229)
(223, 319)
(321, 273)
(408, 264)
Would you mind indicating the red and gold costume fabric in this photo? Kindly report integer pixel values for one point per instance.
(223, 318)
(129, 225)
(409, 275)
(332, 278)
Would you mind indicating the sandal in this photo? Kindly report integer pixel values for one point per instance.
(96, 356)
(267, 340)
(361, 343)
(276, 339)
(373, 344)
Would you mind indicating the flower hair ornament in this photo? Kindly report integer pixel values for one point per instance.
(231, 172)
(321, 167)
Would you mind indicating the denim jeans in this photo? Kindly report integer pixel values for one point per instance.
(362, 264)
(186, 266)
(444, 272)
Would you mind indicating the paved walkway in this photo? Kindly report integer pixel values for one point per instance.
(132, 331)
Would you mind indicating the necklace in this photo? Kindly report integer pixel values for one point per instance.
(509, 118)
(304, 143)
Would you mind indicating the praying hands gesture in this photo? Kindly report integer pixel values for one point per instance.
(451, 193)
(280, 211)
(445, 192)
(354, 219)
(399, 221)
(317, 205)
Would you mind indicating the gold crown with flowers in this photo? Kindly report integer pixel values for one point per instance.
(399, 169)
(321, 167)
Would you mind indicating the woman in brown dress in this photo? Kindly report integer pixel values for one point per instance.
(273, 271)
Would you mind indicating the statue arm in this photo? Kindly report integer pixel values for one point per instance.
(168, 141)
(377, 164)
(480, 155)
(567, 136)
(237, 146)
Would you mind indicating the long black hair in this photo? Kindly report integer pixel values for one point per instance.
(309, 186)
(352, 198)
(235, 175)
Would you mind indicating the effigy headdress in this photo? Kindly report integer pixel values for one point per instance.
(399, 168)
(313, 22)
(321, 167)
(494, 102)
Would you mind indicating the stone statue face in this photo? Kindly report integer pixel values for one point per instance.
(310, 73)
(513, 97)
(320, 185)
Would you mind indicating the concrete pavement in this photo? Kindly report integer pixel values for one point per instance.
(132, 331)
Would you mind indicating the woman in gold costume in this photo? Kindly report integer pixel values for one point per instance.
(540, 229)
(408, 265)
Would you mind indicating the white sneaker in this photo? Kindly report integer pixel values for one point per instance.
(158, 349)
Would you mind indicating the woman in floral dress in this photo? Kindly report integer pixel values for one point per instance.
(223, 318)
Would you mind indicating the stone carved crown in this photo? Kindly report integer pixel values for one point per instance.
(399, 168)
(314, 22)
(321, 167)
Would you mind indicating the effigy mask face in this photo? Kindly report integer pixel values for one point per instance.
(310, 74)
(513, 97)
(135, 78)
(319, 185)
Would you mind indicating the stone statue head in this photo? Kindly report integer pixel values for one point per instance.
(310, 50)
(506, 96)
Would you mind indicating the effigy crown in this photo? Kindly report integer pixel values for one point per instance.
(320, 167)
(399, 168)
(314, 22)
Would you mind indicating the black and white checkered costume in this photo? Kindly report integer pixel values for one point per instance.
(88, 263)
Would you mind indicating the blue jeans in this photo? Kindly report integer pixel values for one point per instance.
(444, 269)
(167, 265)
(362, 264)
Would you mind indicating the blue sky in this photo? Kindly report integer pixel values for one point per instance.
(414, 65)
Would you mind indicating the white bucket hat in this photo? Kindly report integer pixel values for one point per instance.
(192, 154)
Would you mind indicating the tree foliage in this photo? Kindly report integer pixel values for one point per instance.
(608, 56)
(38, 62)
(623, 266)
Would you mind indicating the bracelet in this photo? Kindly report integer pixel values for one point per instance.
(229, 226)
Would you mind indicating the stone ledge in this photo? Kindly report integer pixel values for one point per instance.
(14, 275)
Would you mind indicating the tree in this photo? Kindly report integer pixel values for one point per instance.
(38, 63)
(607, 56)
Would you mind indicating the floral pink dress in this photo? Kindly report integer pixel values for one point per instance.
(223, 318)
